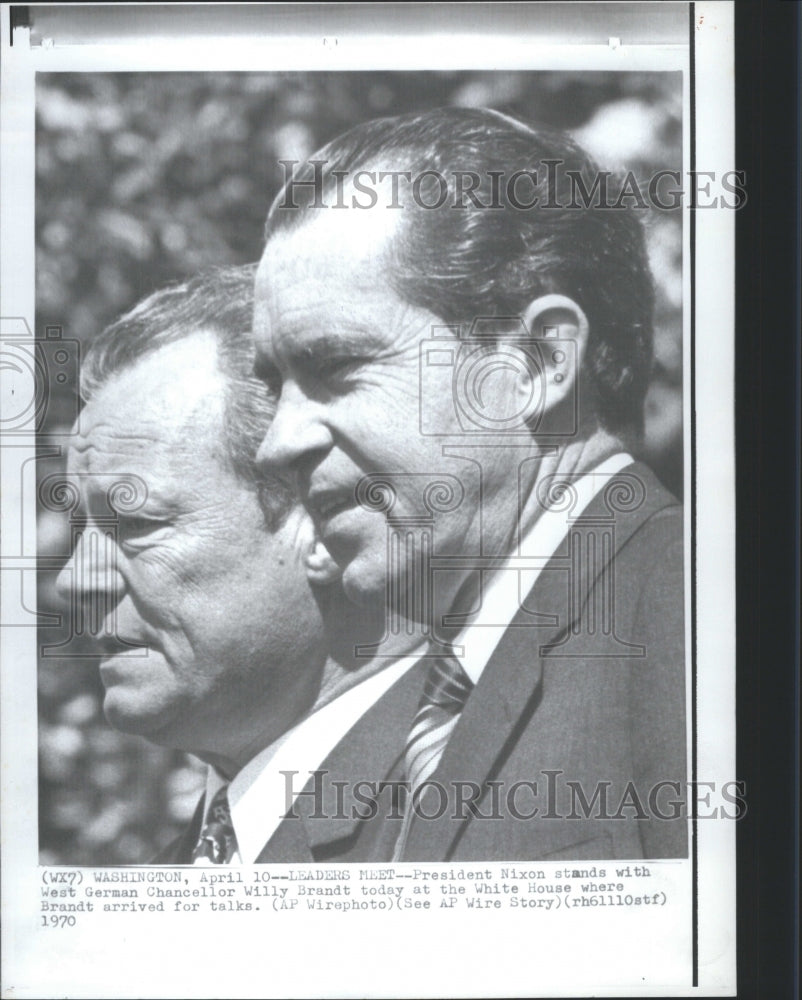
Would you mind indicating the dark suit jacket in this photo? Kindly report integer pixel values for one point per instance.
(571, 746)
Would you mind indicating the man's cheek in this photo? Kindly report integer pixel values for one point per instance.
(160, 585)
(171, 565)
(363, 560)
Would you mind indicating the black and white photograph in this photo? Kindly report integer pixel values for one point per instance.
(362, 555)
(189, 581)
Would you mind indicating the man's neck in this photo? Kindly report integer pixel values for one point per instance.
(347, 628)
(569, 462)
(544, 471)
(349, 631)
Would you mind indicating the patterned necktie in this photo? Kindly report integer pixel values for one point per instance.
(444, 695)
(217, 842)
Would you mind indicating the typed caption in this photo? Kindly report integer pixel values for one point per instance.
(74, 897)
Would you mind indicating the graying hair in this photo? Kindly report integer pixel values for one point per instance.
(221, 301)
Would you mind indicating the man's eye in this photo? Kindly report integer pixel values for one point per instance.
(336, 369)
(138, 527)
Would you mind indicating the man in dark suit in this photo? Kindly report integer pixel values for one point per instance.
(461, 341)
(217, 607)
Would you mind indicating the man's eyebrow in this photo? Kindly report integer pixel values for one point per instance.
(99, 504)
(318, 346)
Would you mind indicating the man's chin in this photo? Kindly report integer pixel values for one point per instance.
(131, 705)
(126, 716)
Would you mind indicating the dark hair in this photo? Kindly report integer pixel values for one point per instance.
(472, 261)
(221, 301)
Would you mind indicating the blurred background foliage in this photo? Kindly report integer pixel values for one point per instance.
(144, 178)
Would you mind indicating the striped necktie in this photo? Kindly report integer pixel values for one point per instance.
(444, 695)
(217, 842)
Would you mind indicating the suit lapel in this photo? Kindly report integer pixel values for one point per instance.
(288, 843)
(509, 690)
(506, 694)
(328, 810)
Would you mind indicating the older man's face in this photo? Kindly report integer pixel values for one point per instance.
(344, 350)
(231, 632)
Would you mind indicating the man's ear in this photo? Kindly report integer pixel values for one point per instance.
(558, 318)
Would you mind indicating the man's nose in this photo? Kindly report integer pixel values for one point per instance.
(91, 581)
(296, 431)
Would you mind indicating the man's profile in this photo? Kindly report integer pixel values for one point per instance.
(496, 510)
(225, 632)
(215, 644)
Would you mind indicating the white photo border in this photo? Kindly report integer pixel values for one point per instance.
(39, 959)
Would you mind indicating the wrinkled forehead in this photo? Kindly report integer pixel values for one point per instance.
(109, 437)
(159, 412)
(331, 266)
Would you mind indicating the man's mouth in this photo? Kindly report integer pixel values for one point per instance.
(109, 646)
(122, 660)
